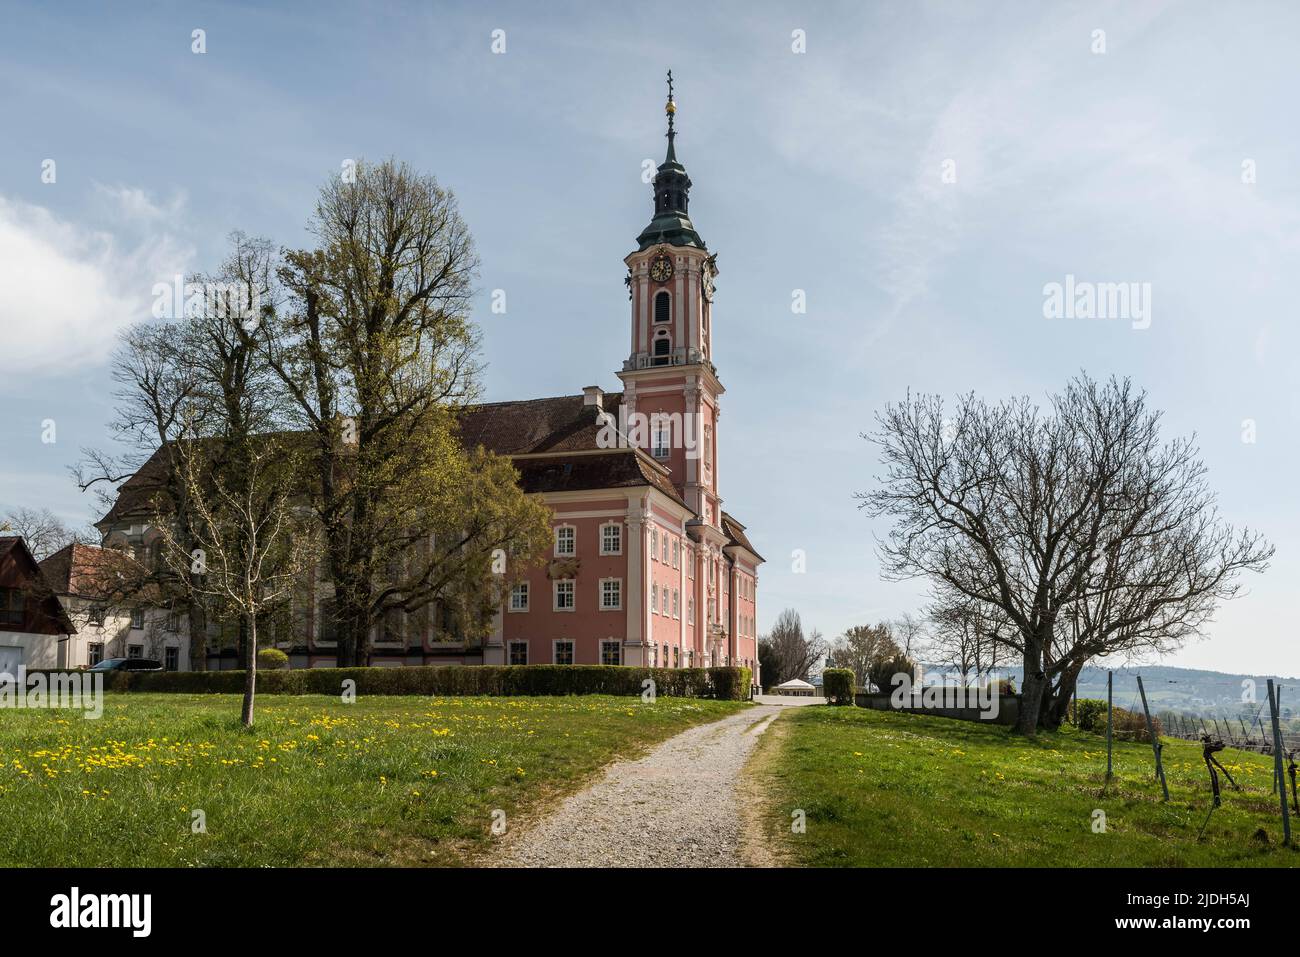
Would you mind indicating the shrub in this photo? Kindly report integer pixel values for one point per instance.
(837, 685)
(725, 683)
(272, 659)
(1090, 715)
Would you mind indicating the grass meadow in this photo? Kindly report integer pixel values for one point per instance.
(384, 781)
(887, 789)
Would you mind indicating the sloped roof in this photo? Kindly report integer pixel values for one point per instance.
(558, 424)
(617, 468)
(735, 532)
(86, 571)
(546, 427)
(14, 546)
(796, 683)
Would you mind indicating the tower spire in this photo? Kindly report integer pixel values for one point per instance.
(672, 188)
(671, 109)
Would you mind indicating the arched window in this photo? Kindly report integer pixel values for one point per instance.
(663, 307)
(662, 347)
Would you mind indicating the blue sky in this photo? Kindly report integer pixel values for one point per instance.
(819, 171)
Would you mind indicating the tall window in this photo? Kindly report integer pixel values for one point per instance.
(611, 653)
(611, 594)
(659, 446)
(137, 619)
(519, 597)
(690, 610)
(519, 652)
(677, 554)
(172, 658)
(663, 307)
(563, 652)
(564, 595)
(654, 599)
(611, 539)
(566, 541)
(676, 604)
(96, 652)
(654, 543)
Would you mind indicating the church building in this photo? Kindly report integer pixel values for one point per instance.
(646, 568)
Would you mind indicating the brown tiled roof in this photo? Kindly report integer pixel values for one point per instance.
(87, 571)
(736, 533)
(135, 496)
(546, 427)
(7, 542)
(617, 468)
(558, 424)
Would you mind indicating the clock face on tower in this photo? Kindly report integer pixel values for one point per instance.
(661, 268)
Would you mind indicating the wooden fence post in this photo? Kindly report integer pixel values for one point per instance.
(1155, 743)
(1277, 760)
(1110, 677)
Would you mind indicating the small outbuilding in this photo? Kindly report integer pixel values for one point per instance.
(796, 688)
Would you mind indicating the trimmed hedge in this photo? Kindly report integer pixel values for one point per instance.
(838, 685)
(502, 680)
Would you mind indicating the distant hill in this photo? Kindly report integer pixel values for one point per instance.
(1185, 691)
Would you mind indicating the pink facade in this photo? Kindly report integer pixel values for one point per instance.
(645, 566)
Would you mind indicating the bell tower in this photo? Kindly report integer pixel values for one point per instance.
(669, 376)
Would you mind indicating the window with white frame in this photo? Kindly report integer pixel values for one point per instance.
(611, 652)
(660, 443)
(690, 610)
(518, 653)
(664, 556)
(519, 597)
(564, 595)
(611, 539)
(654, 543)
(611, 594)
(654, 599)
(677, 554)
(676, 604)
(562, 652)
(566, 541)
(95, 650)
(137, 619)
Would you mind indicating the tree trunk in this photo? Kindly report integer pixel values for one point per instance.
(198, 628)
(250, 675)
(1031, 691)
(241, 644)
(1055, 709)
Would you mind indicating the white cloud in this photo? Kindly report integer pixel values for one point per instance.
(68, 289)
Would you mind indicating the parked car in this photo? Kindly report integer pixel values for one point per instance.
(128, 664)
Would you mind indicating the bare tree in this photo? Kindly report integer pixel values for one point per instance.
(247, 545)
(908, 632)
(1038, 513)
(860, 647)
(966, 636)
(794, 653)
(43, 531)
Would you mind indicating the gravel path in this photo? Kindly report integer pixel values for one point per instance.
(676, 807)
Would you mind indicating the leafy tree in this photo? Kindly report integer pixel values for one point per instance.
(374, 348)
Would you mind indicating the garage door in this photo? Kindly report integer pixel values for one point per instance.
(10, 659)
